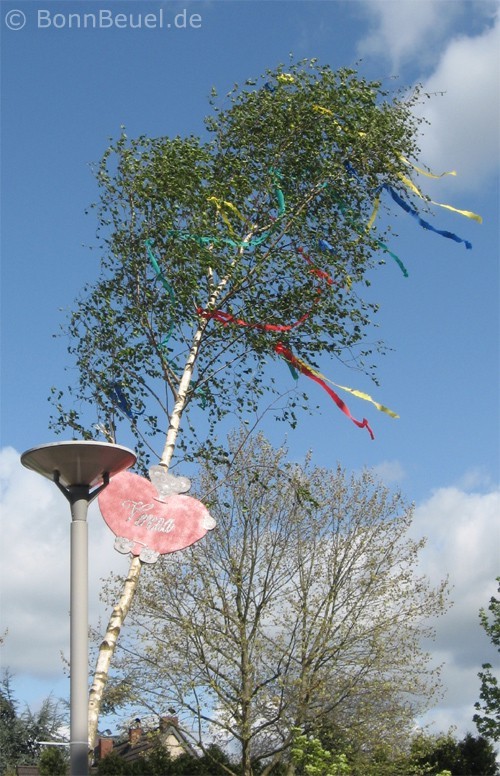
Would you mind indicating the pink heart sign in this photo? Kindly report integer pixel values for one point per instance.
(146, 526)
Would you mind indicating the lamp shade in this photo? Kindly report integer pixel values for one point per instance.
(78, 462)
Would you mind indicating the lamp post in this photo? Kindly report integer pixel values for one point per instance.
(76, 467)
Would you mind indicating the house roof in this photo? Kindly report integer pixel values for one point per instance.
(141, 742)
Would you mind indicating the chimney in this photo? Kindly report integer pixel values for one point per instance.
(104, 747)
(165, 722)
(135, 733)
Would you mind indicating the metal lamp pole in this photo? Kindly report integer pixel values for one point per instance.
(75, 467)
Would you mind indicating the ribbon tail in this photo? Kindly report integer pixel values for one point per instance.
(425, 172)
(353, 391)
(340, 404)
(373, 216)
(367, 397)
(308, 372)
(235, 210)
(393, 256)
(425, 224)
(467, 213)
(281, 202)
(161, 277)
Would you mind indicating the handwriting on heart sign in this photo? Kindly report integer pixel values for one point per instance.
(146, 525)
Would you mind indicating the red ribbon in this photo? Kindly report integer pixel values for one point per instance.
(226, 318)
(315, 271)
(301, 367)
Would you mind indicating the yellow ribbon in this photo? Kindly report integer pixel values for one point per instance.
(320, 109)
(467, 213)
(353, 391)
(328, 112)
(222, 204)
(409, 183)
(425, 172)
(373, 216)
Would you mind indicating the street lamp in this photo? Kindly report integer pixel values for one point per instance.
(76, 467)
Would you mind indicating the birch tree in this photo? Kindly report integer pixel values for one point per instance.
(307, 609)
(223, 253)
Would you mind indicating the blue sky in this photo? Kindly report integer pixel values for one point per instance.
(66, 91)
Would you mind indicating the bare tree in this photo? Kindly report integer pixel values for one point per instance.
(306, 607)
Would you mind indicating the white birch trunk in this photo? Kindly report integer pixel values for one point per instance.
(107, 648)
(120, 611)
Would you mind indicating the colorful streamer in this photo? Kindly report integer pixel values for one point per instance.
(166, 285)
(425, 172)
(353, 391)
(118, 398)
(279, 194)
(223, 205)
(408, 209)
(410, 185)
(324, 245)
(371, 221)
(232, 241)
(360, 230)
(359, 394)
(315, 271)
(281, 202)
(227, 318)
(306, 370)
(393, 256)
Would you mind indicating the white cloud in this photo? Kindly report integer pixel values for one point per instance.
(463, 531)
(34, 574)
(453, 49)
(476, 478)
(389, 471)
(403, 30)
(464, 132)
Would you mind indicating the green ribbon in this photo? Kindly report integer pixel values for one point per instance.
(359, 229)
(166, 285)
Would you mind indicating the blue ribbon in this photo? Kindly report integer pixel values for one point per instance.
(118, 398)
(324, 245)
(425, 224)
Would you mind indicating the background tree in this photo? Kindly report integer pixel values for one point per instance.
(305, 608)
(21, 732)
(158, 762)
(223, 253)
(311, 759)
(468, 757)
(488, 722)
(423, 755)
(53, 762)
